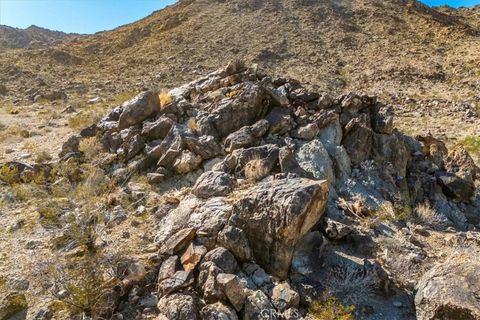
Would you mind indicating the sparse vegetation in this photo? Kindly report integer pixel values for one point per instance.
(472, 144)
(165, 98)
(330, 309)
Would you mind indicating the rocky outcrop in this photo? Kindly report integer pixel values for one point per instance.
(264, 162)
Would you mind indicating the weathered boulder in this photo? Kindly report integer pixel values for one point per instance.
(275, 214)
(250, 105)
(213, 184)
(206, 147)
(157, 129)
(280, 121)
(283, 297)
(218, 311)
(187, 162)
(143, 106)
(307, 132)
(247, 136)
(233, 289)
(313, 158)
(450, 290)
(179, 306)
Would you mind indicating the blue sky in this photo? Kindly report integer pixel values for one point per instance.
(89, 16)
(80, 16)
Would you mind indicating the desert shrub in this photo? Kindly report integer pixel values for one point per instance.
(91, 148)
(2, 126)
(330, 309)
(165, 98)
(472, 144)
(8, 174)
(256, 169)
(350, 281)
(85, 282)
(425, 214)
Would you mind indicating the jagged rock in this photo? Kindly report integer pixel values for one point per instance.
(455, 187)
(283, 297)
(207, 217)
(157, 129)
(207, 281)
(143, 106)
(246, 136)
(223, 259)
(233, 289)
(206, 147)
(325, 101)
(280, 121)
(382, 119)
(307, 132)
(213, 184)
(275, 215)
(187, 162)
(313, 158)
(70, 146)
(218, 311)
(167, 269)
(192, 256)
(358, 141)
(450, 290)
(179, 306)
(393, 149)
(258, 306)
(135, 146)
(342, 164)
(180, 280)
(234, 240)
(250, 105)
(178, 241)
(435, 149)
(462, 164)
(331, 135)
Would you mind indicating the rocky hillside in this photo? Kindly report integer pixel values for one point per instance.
(387, 48)
(31, 37)
(243, 196)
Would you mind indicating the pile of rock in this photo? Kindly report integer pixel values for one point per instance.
(269, 160)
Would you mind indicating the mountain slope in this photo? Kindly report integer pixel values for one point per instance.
(31, 37)
(383, 47)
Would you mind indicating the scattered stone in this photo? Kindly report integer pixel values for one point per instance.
(178, 241)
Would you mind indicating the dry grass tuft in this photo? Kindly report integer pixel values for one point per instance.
(256, 169)
(165, 98)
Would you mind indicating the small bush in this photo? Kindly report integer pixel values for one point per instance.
(165, 98)
(472, 144)
(330, 309)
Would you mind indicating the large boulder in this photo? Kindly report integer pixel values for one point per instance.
(450, 290)
(143, 106)
(275, 214)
